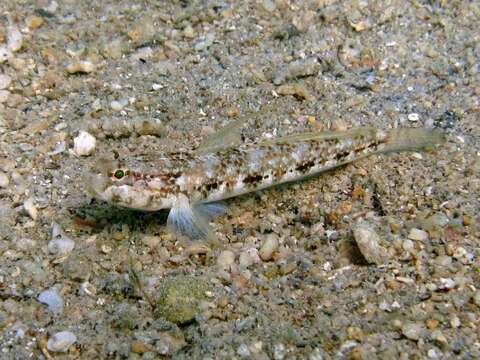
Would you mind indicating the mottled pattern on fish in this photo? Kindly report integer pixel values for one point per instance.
(183, 181)
(249, 168)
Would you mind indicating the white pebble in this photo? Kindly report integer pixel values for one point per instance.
(455, 322)
(61, 341)
(5, 54)
(270, 245)
(60, 244)
(432, 354)
(408, 246)
(249, 257)
(418, 235)
(157, 87)
(30, 208)
(225, 260)
(117, 105)
(84, 144)
(413, 117)
(4, 94)
(4, 181)
(243, 351)
(52, 299)
(84, 67)
(5, 81)
(446, 284)
(15, 39)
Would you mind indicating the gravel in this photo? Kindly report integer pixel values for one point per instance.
(377, 259)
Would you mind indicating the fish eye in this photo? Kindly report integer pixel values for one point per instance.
(118, 174)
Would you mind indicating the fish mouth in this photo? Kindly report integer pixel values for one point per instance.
(96, 185)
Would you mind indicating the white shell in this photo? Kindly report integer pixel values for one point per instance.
(84, 144)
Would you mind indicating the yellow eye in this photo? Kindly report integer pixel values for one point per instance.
(118, 174)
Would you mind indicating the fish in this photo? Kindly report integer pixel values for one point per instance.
(194, 184)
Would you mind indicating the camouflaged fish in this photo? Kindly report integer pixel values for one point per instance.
(192, 183)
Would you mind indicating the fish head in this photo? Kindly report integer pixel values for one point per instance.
(129, 187)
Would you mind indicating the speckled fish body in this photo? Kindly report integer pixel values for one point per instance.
(184, 181)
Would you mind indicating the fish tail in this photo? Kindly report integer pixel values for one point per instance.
(413, 139)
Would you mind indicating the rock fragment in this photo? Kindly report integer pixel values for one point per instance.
(413, 331)
(61, 341)
(30, 208)
(270, 245)
(5, 81)
(4, 180)
(80, 67)
(52, 299)
(60, 244)
(369, 244)
(179, 299)
(225, 260)
(418, 235)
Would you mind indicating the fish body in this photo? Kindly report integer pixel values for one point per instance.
(191, 183)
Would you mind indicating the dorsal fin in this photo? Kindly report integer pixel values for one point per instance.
(230, 135)
(324, 135)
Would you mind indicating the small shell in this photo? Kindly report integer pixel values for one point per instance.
(84, 144)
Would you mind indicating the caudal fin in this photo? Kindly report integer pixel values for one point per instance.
(413, 139)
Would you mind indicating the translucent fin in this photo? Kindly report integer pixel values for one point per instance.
(193, 220)
(324, 135)
(211, 210)
(413, 139)
(229, 136)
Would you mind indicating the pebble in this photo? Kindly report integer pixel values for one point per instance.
(297, 90)
(476, 298)
(4, 181)
(153, 127)
(15, 39)
(80, 67)
(418, 235)
(60, 244)
(443, 260)
(269, 5)
(61, 341)
(5, 54)
(455, 322)
(446, 284)
(84, 144)
(52, 299)
(296, 69)
(432, 354)
(368, 242)
(118, 105)
(243, 351)
(180, 299)
(151, 241)
(249, 257)
(205, 42)
(408, 245)
(189, 32)
(33, 22)
(225, 260)
(30, 208)
(413, 117)
(4, 94)
(5, 81)
(413, 331)
(269, 246)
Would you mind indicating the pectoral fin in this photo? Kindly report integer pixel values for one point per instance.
(193, 220)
